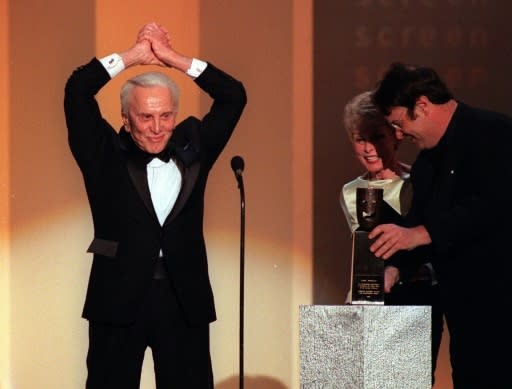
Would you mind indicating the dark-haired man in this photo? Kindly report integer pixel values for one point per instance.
(460, 215)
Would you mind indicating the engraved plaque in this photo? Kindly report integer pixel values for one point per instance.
(367, 278)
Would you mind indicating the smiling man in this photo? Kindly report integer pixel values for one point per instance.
(459, 216)
(149, 108)
(149, 284)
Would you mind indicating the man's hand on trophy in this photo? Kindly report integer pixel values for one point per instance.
(390, 238)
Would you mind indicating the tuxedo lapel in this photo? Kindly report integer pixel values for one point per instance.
(187, 184)
(138, 175)
(136, 165)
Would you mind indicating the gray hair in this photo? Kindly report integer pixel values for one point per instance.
(146, 80)
(360, 112)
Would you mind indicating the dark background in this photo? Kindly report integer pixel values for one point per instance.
(354, 42)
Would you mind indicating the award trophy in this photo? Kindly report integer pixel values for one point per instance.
(367, 278)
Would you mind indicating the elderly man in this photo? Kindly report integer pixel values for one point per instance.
(149, 283)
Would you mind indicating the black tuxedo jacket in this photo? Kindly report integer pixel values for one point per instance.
(127, 234)
(459, 197)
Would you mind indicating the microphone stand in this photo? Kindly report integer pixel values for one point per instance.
(242, 270)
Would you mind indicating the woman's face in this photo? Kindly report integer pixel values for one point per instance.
(375, 147)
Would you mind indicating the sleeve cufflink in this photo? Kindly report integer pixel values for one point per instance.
(196, 68)
(113, 64)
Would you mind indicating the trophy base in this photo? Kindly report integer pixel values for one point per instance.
(367, 278)
(365, 347)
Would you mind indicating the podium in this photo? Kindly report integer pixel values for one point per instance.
(365, 347)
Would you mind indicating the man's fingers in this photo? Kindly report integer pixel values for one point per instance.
(375, 232)
(378, 243)
(384, 246)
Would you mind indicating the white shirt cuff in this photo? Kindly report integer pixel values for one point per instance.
(196, 68)
(113, 64)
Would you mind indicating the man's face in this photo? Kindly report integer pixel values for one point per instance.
(416, 128)
(151, 118)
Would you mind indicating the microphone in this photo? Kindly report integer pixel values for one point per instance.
(237, 164)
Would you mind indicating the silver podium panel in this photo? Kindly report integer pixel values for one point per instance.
(365, 347)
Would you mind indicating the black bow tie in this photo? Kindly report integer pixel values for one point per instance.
(186, 155)
(165, 155)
